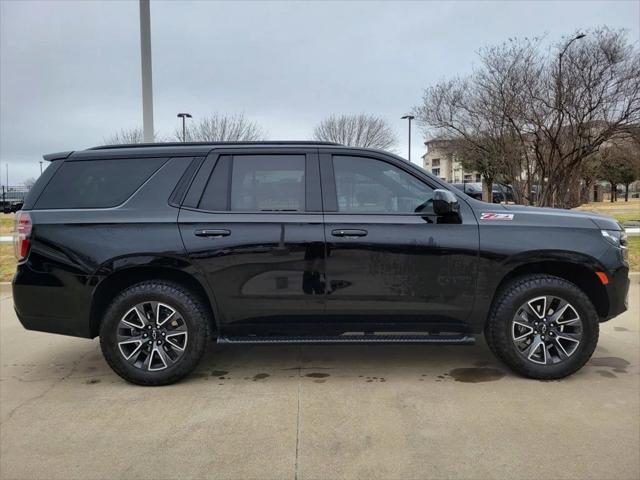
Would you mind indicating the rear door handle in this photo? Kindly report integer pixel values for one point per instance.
(215, 233)
(341, 232)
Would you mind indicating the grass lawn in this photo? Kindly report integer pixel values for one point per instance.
(620, 210)
(7, 258)
(7, 222)
(7, 262)
(634, 253)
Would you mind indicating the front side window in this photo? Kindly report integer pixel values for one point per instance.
(366, 185)
(268, 183)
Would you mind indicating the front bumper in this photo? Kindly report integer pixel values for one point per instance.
(618, 293)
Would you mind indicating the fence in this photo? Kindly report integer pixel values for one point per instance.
(13, 197)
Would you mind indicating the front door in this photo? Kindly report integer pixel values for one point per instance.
(390, 264)
(252, 225)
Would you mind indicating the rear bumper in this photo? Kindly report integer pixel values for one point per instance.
(52, 303)
(60, 325)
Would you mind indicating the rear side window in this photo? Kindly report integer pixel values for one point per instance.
(268, 183)
(97, 183)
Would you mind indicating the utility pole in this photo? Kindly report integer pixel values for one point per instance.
(184, 117)
(147, 83)
(40, 167)
(409, 117)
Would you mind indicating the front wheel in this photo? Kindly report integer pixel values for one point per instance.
(154, 333)
(543, 327)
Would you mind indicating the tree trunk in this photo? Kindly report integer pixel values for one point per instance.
(487, 189)
(626, 192)
(613, 192)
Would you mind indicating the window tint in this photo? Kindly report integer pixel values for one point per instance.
(366, 185)
(215, 196)
(268, 182)
(97, 183)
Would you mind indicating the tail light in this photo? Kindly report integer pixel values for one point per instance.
(22, 235)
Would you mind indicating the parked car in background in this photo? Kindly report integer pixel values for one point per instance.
(501, 193)
(473, 189)
(11, 206)
(158, 248)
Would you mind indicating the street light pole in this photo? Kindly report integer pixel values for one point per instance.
(184, 117)
(409, 117)
(559, 93)
(564, 50)
(40, 167)
(145, 58)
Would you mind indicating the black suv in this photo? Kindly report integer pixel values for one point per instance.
(157, 248)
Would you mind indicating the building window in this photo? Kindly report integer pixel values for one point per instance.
(435, 171)
(478, 177)
(467, 177)
(435, 162)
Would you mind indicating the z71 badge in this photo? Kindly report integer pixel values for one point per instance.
(496, 216)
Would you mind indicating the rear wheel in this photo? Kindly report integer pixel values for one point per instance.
(154, 333)
(543, 327)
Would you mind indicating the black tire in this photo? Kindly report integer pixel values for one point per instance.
(193, 319)
(509, 300)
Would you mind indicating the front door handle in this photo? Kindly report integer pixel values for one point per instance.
(214, 233)
(348, 232)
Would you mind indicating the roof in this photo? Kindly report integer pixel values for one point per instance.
(178, 149)
(213, 144)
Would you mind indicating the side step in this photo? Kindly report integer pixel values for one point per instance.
(437, 339)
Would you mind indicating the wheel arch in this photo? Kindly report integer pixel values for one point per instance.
(580, 274)
(115, 282)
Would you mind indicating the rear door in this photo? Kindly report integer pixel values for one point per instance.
(252, 224)
(391, 263)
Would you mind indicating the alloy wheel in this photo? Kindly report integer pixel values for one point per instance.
(546, 330)
(152, 336)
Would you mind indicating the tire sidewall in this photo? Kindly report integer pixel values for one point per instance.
(551, 286)
(176, 298)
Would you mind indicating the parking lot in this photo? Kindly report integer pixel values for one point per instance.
(298, 412)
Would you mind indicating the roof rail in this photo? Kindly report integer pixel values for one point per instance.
(213, 144)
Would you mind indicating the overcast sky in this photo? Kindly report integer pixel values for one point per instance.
(70, 71)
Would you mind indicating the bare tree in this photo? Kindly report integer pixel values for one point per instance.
(222, 128)
(125, 136)
(545, 114)
(30, 182)
(356, 131)
(619, 163)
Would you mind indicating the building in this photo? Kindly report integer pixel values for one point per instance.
(442, 160)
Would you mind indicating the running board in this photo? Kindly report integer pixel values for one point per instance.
(433, 339)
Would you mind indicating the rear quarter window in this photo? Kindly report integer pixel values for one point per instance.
(97, 183)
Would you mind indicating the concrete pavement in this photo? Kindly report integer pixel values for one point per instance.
(318, 412)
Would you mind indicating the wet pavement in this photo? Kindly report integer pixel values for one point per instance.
(335, 411)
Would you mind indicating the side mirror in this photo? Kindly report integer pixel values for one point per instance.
(445, 203)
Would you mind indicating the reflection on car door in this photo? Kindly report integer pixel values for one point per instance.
(253, 227)
(387, 264)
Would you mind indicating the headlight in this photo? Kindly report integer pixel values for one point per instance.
(618, 238)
